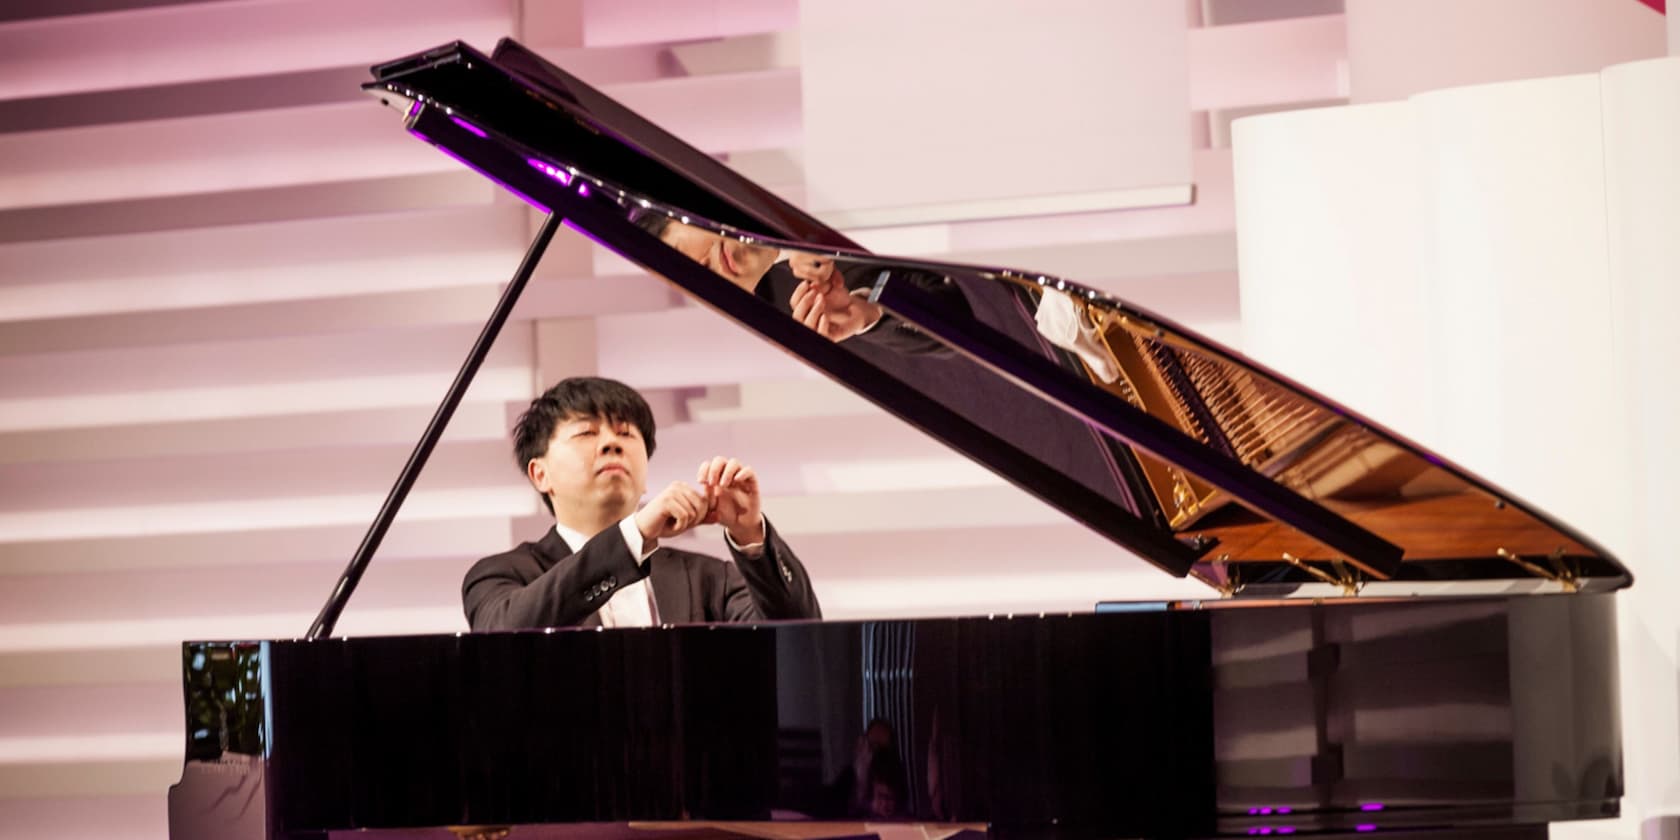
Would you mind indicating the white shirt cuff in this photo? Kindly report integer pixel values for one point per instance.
(864, 293)
(752, 551)
(633, 539)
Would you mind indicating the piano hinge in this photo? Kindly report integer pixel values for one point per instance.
(1228, 582)
(1345, 578)
(1561, 572)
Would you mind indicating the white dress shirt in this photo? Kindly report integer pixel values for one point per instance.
(633, 605)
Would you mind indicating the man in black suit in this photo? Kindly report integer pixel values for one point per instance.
(584, 445)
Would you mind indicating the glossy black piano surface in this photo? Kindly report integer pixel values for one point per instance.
(1392, 645)
(1146, 722)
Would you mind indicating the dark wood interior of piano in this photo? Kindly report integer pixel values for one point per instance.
(1362, 474)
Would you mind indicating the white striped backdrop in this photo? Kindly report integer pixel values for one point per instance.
(232, 290)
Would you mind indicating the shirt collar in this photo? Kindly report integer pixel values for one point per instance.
(574, 539)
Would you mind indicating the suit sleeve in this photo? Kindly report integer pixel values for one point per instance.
(770, 587)
(895, 334)
(509, 592)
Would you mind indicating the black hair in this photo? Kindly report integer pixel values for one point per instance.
(650, 220)
(578, 396)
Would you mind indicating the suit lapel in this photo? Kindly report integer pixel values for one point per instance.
(551, 549)
(668, 575)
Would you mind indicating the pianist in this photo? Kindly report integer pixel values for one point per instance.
(584, 445)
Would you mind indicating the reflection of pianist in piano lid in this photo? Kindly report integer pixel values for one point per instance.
(830, 293)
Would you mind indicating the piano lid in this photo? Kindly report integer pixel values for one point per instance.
(1182, 451)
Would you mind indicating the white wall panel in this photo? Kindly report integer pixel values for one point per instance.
(612, 22)
(209, 154)
(194, 41)
(1642, 198)
(1544, 234)
(725, 113)
(959, 101)
(1520, 292)
(89, 818)
(1290, 60)
(293, 250)
(1397, 48)
(1329, 257)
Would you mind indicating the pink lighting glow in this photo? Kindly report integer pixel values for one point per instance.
(551, 171)
(469, 126)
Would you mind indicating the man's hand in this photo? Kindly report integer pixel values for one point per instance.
(732, 492)
(862, 756)
(822, 302)
(676, 509)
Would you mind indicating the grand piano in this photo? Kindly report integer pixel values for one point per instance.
(1388, 644)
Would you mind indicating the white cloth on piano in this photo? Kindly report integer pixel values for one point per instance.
(1060, 320)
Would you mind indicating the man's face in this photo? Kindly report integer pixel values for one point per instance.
(592, 465)
(880, 737)
(883, 802)
(734, 260)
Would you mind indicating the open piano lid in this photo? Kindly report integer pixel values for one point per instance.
(1184, 452)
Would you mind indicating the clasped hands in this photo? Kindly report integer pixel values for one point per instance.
(822, 301)
(727, 495)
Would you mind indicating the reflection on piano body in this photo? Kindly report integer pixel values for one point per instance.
(1389, 643)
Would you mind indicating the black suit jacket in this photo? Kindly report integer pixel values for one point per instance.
(892, 334)
(547, 584)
